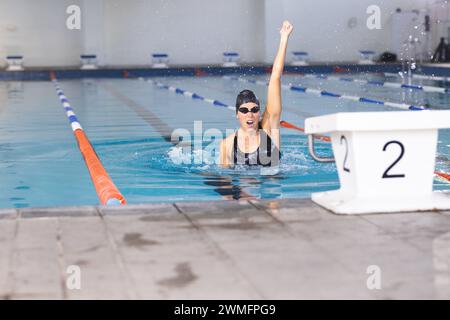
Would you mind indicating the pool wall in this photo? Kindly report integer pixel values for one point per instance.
(44, 74)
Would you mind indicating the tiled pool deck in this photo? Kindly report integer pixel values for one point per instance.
(283, 249)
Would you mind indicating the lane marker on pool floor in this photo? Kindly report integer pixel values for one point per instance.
(152, 119)
(442, 175)
(380, 83)
(107, 192)
(323, 93)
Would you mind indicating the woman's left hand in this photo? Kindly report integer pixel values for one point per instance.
(286, 29)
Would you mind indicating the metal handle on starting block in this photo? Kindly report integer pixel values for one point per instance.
(312, 151)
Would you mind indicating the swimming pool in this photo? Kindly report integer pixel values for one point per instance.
(129, 122)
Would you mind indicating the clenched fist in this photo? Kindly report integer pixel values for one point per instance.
(286, 29)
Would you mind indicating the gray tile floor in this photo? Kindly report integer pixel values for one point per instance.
(283, 249)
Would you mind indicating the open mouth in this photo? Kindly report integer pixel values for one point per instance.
(250, 122)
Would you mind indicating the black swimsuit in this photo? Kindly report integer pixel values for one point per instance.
(261, 157)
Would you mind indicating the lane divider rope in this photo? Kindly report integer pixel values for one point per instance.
(380, 83)
(107, 192)
(221, 104)
(294, 127)
(443, 175)
(190, 94)
(419, 76)
(322, 93)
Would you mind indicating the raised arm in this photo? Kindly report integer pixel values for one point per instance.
(272, 113)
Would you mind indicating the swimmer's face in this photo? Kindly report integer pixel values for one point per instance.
(248, 116)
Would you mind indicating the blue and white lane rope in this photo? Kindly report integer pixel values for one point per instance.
(381, 83)
(333, 95)
(417, 76)
(220, 104)
(190, 94)
(66, 105)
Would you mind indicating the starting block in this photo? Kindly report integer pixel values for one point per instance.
(385, 160)
(160, 60)
(230, 59)
(299, 58)
(367, 57)
(15, 63)
(88, 61)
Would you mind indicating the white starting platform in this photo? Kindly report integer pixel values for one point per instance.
(14, 63)
(299, 58)
(231, 59)
(366, 57)
(160, 60)
(385, 160)
(88, 62)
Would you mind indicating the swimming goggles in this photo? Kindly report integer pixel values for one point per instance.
(245, 110)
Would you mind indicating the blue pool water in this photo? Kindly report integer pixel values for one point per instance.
(129, 121)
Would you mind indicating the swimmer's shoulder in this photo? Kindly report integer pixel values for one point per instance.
(227, 143)
(226, 149)
(230, 138)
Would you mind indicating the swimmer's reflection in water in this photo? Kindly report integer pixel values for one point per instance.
(227, 189)
(235, 189)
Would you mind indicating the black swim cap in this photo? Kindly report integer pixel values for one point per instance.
(245, 96)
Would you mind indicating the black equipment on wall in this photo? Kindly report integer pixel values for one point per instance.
(442, 52)
(427, 23)
(388, 57)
